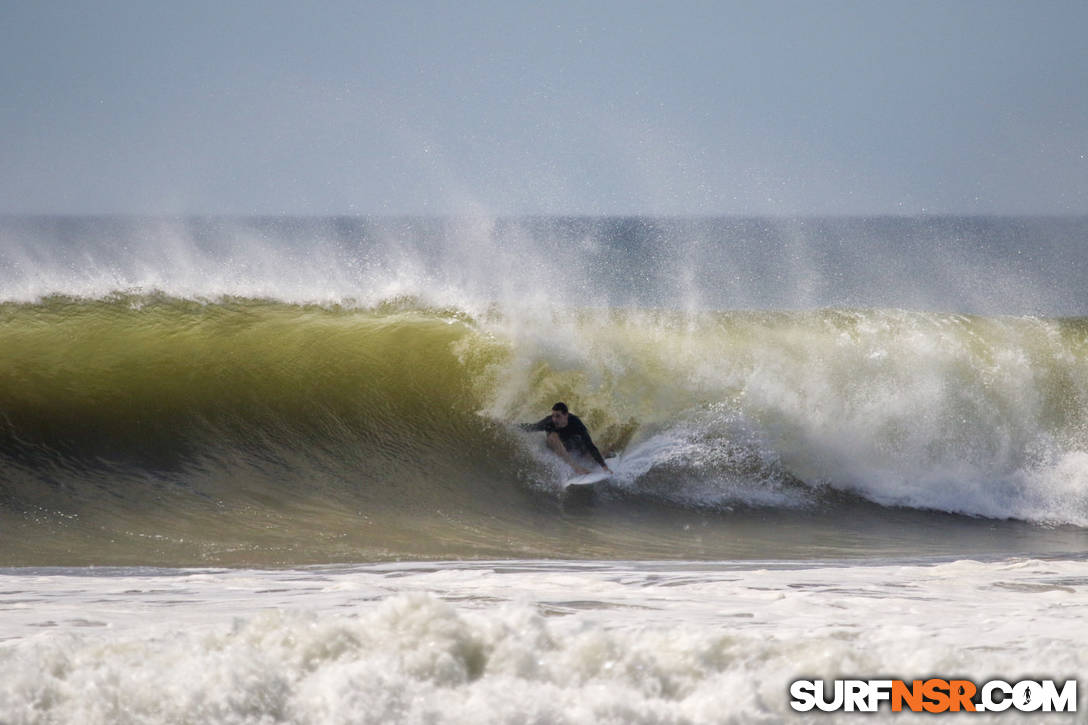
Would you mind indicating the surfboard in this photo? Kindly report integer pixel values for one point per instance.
(581, 491)
(588, 479)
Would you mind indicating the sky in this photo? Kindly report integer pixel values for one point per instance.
(510, 108)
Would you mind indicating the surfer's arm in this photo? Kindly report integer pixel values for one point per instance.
(590, 448)
(539, 425)
(596, 455)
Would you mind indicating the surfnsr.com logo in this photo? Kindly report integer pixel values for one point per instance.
(934, 695)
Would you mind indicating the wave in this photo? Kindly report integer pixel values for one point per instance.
(120, 403)
(251, 391)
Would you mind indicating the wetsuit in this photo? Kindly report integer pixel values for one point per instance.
(575, 436)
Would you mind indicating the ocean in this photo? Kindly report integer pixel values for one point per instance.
(263, 470)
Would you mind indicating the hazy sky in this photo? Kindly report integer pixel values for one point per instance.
(546, 107)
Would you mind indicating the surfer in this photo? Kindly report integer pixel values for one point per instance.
(567, 433)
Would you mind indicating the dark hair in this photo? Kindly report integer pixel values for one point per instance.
(561, 407)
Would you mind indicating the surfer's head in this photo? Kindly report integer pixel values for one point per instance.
(560, 415)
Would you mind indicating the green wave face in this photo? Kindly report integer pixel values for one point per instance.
(165, 415)
(134, 373)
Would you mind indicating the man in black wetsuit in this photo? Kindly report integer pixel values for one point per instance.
(567, 433)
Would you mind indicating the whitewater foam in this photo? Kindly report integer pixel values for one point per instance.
(982, 416)
(553, 642)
